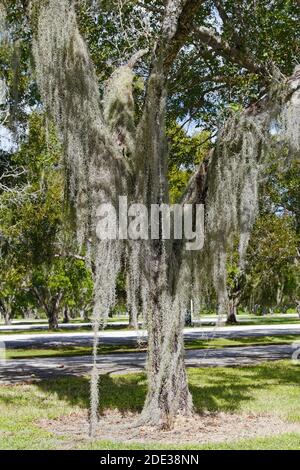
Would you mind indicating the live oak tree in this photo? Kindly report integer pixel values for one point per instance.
(115, 143)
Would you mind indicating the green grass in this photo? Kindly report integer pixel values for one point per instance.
(271, 320)
(69, 351)
(234, 342)
(85, 329)
(243, 320)
(65, 351)
(266, 388)
(281, 442)
(253, 321)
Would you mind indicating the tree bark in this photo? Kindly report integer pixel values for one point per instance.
(53, 310)
(66, 318)
(6, 312)
(133, 320)
(232, 313)
(7, 317)
(168, 393)
(298, 308)
(52, 319)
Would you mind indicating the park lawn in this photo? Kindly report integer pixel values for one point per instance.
(271, 320)
(82, 329)
(289, 441)
(254, 321)
(242, 321)
(69, 351)
(271, 388)
(243, 341)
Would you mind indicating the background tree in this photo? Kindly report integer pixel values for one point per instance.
(32, 211)
(273, 274)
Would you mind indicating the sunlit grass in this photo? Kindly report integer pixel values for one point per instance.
(271, 388)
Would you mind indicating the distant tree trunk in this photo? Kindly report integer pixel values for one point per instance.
(232, 312)
(51, 304)
(234, 299)
(7, 318)
(52, 319)
(133, 320)
(66, 318)
(298, 307)
(86, 316)
(6, 311)
(279, 294)
(27, 313)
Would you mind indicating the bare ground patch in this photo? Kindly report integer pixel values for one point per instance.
(199, 429)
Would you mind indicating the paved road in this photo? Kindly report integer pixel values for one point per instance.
(129, 337)
(24, 370)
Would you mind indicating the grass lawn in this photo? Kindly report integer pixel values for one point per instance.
(67, 351)
(243, 320)
(268, 320)
(251, 320)
(82, 329)
(271, 388)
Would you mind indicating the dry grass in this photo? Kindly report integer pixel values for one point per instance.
(207, 428)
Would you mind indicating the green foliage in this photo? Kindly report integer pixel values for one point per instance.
(15, 66)
(37, 269)
(204, 84)
(273, 273)
(31, 211)
(65, 278)
(186, 153)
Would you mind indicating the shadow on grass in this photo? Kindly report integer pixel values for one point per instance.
(213, 389)
(124, 392)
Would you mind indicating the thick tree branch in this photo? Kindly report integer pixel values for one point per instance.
(197, 188)
(208, 37)
(136, 57)
(151, 137)
(177, 25)
(226, 21)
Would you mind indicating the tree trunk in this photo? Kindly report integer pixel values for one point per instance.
(7, 318)
(133, 320)
(168, 393)
(52, 319)
(53, 310)
(232, 316)
(66, 318)
(85, 315)
(298, 308)
(232, 313)
(6, 312)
